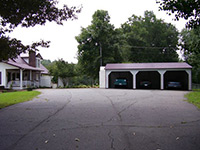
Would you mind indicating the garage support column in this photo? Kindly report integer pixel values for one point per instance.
(134, 73)
(162, 72)
(189, 79)
(107, 78)
(102, 77)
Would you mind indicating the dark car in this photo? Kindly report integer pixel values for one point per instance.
(145, 84)
(174, 85)
(120, 82)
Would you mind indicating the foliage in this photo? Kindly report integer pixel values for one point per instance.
(190, 43)
(62, 69)
(146, 39)
(97, 44)
(187, 9)
(46, 63)
(82, 86)
(11, 98)
(150, 39)
(76, 79)
(28, 13)
(194, 98)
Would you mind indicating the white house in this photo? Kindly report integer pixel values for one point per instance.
(158, 74)
(23, 72)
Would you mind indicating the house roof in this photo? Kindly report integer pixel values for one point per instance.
(45, 70)
(134, 66)
(20, 63)
(39, 56)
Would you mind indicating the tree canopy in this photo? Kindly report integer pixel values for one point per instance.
(28, 13)
(96, 44)
(140, 39)
(150, 39)
(190, 43)
(187, 9)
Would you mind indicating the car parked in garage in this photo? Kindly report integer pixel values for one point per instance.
(120, 83)
(145, 84)
(174, 85)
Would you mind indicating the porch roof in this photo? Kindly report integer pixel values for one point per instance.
(20, 63)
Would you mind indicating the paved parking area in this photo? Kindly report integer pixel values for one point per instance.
(101, 119)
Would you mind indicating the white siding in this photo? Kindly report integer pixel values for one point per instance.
(3, 67)
(45, 81)
(26, 60)
(102, 79)
(60, 82)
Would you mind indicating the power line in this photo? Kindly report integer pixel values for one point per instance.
(150, 47)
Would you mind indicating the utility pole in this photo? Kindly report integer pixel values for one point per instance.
(100, 49)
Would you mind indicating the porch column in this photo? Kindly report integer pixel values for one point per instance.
(107, 78)
(21, 79)
(162, 72)
(30, 75)
(134, 73)
(4, 78)
(189, 79)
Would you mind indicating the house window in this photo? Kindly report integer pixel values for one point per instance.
(13, 76)
(38, 62)
(37, 77)
(0, 78)
(18, 75)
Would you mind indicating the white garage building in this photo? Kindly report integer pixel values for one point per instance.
(159, 74)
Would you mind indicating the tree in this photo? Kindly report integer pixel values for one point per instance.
(97, 44)
(190, 43)
(62, 69)
(187, 9)
(28, 13)
(150, 39)
(46, 63)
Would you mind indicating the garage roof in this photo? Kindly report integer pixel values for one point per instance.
(171, 65)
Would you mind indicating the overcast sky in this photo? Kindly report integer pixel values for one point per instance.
(63, 43)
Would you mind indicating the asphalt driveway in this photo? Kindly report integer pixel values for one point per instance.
(99, 119)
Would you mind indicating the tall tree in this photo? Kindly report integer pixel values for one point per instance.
(187, 9)
(96, 44)
(190, 43)
(28, 13)
(150, 39)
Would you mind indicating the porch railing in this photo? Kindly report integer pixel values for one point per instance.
(25, 84)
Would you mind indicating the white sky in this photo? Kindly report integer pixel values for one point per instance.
(63, 43)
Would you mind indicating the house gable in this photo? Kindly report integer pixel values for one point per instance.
(6, 66)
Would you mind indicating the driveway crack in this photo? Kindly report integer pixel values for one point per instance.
(112, 140)
(119, 113)
(41, 122)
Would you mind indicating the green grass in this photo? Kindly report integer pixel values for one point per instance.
(11, 98)
(194, 97)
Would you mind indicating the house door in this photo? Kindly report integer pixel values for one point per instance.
(9, 76)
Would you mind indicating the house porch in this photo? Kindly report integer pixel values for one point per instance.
(21, 79)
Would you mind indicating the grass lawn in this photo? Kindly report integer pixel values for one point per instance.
(194, 97)
(11, 98)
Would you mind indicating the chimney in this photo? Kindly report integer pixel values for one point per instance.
(32, 58)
